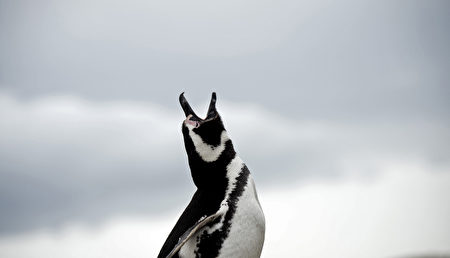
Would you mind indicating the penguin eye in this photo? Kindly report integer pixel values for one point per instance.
(193, 122)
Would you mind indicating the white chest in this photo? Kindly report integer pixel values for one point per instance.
(246, 234)
(246, 237)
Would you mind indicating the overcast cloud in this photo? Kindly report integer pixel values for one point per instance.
(67, 159)
(320, 59)
(402, 213)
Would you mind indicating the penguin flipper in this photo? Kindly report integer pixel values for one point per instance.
(191, 231)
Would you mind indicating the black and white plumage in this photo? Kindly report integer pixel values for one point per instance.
(224, 217)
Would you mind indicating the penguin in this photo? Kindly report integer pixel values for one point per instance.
(224, 217)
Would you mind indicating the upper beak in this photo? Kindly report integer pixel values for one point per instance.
(186, 107)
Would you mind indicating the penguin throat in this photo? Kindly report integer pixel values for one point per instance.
(208, 152)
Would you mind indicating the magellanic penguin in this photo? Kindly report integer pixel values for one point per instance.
(224, 217)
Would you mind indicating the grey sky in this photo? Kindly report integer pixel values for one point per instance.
(332, 88)
(351, 59)
(64, 159)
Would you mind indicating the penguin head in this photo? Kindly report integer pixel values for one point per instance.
(209, 130)
(208, 147)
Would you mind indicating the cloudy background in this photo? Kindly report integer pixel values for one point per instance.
(340, 110)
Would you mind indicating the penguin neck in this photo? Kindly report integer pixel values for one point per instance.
(209, 163)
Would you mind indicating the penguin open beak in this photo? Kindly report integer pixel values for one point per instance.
(212, 112)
